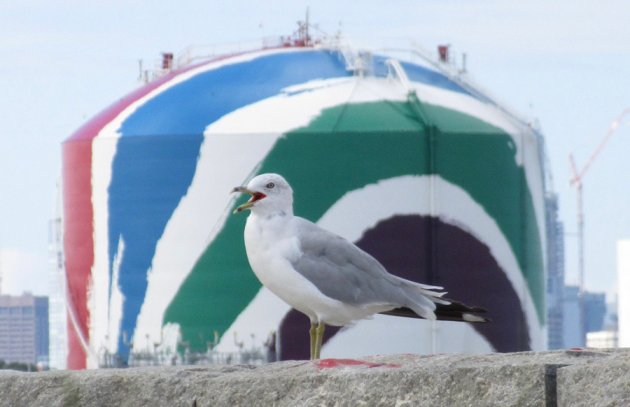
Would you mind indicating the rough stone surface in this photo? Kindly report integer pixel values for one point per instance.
(601, 381)
(593, 378)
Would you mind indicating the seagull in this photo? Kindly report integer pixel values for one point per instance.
(325, 276)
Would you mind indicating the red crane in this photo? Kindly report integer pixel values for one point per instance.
(577, 181)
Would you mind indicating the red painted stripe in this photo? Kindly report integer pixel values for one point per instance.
(78, 242)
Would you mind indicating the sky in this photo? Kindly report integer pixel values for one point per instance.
(564, 63)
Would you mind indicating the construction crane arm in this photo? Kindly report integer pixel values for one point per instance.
(578, 176)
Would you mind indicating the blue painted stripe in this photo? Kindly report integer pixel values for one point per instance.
(157, 154)
(421, 74)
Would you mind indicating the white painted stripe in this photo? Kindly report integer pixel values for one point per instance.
(116, 300)
(103, 151)
(289, 110)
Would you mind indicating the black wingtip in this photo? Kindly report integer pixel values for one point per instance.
(455, 311)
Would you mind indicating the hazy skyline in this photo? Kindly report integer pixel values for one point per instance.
(565, 63)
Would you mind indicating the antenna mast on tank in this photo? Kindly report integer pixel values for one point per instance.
(303, 35)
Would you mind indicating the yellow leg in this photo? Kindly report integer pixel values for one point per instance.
(313, 333)
(319, 337)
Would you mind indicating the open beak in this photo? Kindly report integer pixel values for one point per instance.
(256, 196)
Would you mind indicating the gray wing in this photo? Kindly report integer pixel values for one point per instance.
(342, 271)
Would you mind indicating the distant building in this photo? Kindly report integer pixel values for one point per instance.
(602, 339)
(595, 311)
(555, 274)
(42, 333)
(24, 329)
(571, 323)
(58, 347)
(623, 292)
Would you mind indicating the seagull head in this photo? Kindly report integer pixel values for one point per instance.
(270, 194)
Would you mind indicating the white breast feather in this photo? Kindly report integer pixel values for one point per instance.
(270, 249)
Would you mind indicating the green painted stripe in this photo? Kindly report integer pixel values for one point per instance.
(343, 149)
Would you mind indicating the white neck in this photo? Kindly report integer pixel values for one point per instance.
(264, 213)
(264, 210)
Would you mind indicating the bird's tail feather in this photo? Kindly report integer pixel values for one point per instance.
(424, 306)
(434, 296)
(454, 311)
(428, 302)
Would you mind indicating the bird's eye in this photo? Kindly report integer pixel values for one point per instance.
(270, 185)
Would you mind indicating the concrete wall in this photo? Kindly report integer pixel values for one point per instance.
(563, 378)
